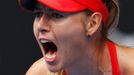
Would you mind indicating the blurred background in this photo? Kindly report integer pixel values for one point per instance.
(18, 47)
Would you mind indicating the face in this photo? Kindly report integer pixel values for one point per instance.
(61, 37)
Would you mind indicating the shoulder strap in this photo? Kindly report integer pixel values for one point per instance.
(63, 72)
(114, 60)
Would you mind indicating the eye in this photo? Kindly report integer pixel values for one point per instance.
(38, 14)
(56, 15)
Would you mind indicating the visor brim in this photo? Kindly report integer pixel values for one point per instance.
(27, 5)
(59, 5)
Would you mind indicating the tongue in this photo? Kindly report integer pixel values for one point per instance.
(50, 57)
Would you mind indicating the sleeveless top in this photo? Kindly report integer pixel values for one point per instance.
(113, 56)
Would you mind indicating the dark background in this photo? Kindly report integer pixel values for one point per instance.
(18, 47)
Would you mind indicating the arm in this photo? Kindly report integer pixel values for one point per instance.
(126, 60)
(130, 62)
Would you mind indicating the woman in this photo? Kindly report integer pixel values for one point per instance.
(72, 35)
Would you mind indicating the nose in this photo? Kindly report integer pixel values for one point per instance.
(43, 25)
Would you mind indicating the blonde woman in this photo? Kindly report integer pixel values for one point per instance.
(72, 35)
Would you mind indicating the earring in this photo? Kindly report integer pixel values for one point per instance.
(88, 35)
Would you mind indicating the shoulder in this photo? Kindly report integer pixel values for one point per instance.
(38, 68)
(126, 59)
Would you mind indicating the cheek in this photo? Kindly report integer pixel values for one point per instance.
(71, 39)
(35, 29)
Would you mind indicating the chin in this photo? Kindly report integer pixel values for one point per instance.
(54, 68)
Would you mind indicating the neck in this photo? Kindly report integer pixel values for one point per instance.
(88, 65)
(84, 68)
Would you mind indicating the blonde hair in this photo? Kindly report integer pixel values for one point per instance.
(114, 10)
(113, 16)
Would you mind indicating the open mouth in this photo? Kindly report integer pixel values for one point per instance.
(50, 49)
(48, 46)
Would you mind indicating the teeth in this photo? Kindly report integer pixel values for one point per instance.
(44, 41)
(49, 55)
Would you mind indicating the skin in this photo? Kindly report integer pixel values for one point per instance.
(77, 37)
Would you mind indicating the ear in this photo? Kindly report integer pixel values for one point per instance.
(93, 23)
